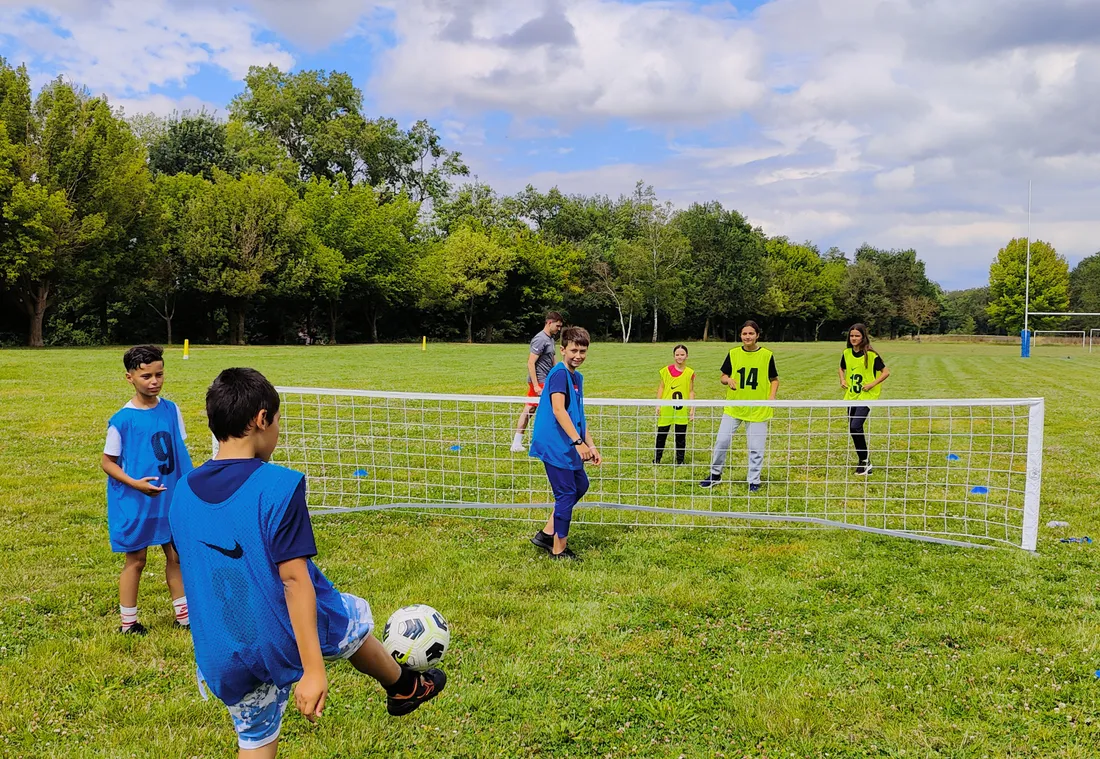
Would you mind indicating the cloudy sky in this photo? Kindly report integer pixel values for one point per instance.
(903, 123)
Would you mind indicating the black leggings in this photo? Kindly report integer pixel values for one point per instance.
(681, 442)
(857, 416)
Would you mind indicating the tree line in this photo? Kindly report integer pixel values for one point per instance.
(301, 215)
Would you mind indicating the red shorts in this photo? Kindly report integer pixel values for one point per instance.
(531, 393)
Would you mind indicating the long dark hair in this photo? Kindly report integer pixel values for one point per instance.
(864, 346)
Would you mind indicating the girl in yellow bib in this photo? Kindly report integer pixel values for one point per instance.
(677, 382)
(862, 373)
(749, 373)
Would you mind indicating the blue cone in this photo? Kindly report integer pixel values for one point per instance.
(362, 473)
(952, 457)
(979, 490)
(456, 447)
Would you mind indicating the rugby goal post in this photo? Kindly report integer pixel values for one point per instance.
(961, 472)
(1074, 332)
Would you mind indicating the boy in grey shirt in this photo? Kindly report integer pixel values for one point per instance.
(540, 361)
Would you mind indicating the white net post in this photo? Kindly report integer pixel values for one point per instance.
(1092, 336)
(1036, 417)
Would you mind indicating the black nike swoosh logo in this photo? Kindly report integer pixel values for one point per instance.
(235, 552)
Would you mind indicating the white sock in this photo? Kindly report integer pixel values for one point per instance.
(518, 439)
(180, 607)
(129, 616)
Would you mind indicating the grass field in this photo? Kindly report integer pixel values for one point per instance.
(664, 642)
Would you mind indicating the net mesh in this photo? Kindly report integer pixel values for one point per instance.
(945, 470)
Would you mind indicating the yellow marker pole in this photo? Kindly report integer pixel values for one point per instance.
(424, 343)
(186, 349)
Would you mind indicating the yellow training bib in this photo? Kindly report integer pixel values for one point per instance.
(675, 389)
(858, 371)
(749, 377)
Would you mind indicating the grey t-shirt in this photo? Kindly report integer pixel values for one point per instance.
(542, 345)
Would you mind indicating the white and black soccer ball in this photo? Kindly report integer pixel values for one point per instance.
(416, 636)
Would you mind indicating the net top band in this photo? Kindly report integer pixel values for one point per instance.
(653, 403)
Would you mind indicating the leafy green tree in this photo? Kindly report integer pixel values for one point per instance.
(77, 188)
(413, 162)
(727, 262)
(905, 277)
(797, 291)
(964, 311)
(863, 295)
(475, 203)
(166, 270)
(658, 256)
(239, 234)
(375, 239)
(465, 273)
(1049, 289)
(920, 311)
(315, 116)
(1084, 285)
(192, 144)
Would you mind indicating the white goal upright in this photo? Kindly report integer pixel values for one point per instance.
(963, 472)
(1062, 336)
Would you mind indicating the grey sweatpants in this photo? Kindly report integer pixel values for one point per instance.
(757, 433)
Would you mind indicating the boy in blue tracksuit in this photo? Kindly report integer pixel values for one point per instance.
(263, 616)
(144, 458)
(562, 441)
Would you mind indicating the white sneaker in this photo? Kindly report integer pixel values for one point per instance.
(517, 447)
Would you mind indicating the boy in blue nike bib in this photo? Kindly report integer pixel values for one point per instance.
(263, 616)
(144, 458)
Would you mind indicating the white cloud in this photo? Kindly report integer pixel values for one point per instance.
(127, 47)
(896, 122)
(897, 179)
(577, 59)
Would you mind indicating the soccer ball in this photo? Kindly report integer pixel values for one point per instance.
(416, 636)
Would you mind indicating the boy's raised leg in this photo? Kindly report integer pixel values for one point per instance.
(371, 659)
(406, 689)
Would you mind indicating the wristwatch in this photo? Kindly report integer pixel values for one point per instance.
(578, 441)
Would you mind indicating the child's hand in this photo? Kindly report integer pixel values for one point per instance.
(597, 459)
(691, 414)
(310, 693)
(843, 385)
(145, 485)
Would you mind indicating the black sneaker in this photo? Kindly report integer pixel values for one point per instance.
(543, 541)
(754, 487)
(864, 468)
(177, 626)
(711, 481)
(566, 555)
(135, 629)
(428, 685)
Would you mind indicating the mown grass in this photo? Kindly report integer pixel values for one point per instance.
(664, 642)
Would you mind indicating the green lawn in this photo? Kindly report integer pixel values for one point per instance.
(664, 642)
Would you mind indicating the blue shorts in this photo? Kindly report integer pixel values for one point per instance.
(258, 717)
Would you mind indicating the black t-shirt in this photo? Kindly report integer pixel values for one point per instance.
(879, 365)
(727, 367)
